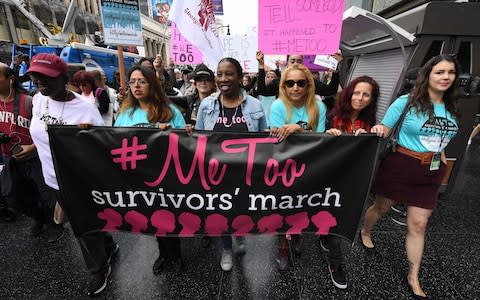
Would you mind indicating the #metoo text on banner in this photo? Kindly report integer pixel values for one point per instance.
(147, 181)
(300, 27)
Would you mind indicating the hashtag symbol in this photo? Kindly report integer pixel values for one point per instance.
(129, 154)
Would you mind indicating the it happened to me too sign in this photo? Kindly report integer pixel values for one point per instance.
(147, 181)
(300, 27)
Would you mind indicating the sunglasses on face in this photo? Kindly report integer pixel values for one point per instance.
(300, 83)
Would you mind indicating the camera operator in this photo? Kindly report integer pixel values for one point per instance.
(22, 184)
(18, 60)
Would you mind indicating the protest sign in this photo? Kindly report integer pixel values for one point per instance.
(181, 50)
(300, 27)
(147, 181)
(243, 48)
(121, 22)
(326, 61)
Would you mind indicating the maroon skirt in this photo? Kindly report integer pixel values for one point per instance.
(404, 179)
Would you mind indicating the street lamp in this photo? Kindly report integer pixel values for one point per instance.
(228, 28)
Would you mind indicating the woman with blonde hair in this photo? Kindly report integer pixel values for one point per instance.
(296, 110)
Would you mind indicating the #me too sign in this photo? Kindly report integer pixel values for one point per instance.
(166, 183)
(301, 27)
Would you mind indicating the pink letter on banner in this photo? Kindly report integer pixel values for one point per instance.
(181, 50)
(299, 27)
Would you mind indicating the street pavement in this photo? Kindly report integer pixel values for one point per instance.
(30, 268)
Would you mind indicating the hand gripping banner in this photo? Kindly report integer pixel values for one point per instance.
(166, 183)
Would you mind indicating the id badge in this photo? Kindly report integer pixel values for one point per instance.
(435, 164)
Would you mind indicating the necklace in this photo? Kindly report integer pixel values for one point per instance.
(234, 115)
(48, 120)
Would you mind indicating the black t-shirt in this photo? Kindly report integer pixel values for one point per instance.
(230, 119)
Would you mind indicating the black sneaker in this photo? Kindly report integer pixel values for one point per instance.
(98, 282)
(112, 253)
(54, 232)
(37, 228)
(337, 274)
(323, 243)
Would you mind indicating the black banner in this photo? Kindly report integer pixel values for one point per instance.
(167, 183)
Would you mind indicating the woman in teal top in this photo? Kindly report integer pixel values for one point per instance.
(413, 174)
(297, 109)
(147, 106)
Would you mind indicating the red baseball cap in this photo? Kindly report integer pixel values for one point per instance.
(48, 64)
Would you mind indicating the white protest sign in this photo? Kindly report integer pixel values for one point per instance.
(326, 61)
(242, 48)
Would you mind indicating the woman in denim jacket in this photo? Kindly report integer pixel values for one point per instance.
(230, 110)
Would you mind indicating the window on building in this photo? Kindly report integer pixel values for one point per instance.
(60, 16)
(464, 57)
(80, 27)
(43, 13)
(19, 19)
(92, 27)
(434, 50)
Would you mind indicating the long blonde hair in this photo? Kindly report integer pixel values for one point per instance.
(310, 102)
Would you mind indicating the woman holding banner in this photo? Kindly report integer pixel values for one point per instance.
(230, 110)
(354, 114)
(296, 110)
(147, 106)
(412, 175)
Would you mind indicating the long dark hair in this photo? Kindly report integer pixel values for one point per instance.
(420, 98)
(343, 109)
(159, 110)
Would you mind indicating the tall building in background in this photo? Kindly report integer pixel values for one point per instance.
(25, 21)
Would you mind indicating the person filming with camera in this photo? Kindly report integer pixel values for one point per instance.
(22, 185)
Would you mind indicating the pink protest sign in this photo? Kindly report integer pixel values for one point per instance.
(181, 50)
(300, 27)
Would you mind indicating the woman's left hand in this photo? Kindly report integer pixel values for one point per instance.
(163, 126)
(85, 126)
(360, 131)
(284, 131)
(334, 132)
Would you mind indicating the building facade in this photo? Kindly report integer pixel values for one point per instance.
(21, 22)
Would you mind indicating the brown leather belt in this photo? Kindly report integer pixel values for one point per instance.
(424, 157)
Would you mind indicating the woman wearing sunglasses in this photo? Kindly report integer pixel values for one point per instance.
(354, 114)
(147, 106)
(296, 110)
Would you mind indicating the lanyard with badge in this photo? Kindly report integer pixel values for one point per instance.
(436, 158)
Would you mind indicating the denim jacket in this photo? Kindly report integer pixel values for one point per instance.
(252, 109)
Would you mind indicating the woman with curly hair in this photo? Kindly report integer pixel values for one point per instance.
(354, 114)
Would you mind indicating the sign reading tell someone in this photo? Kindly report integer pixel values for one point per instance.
(300, 27)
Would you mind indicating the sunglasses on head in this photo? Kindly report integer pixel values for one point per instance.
(300, 83)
